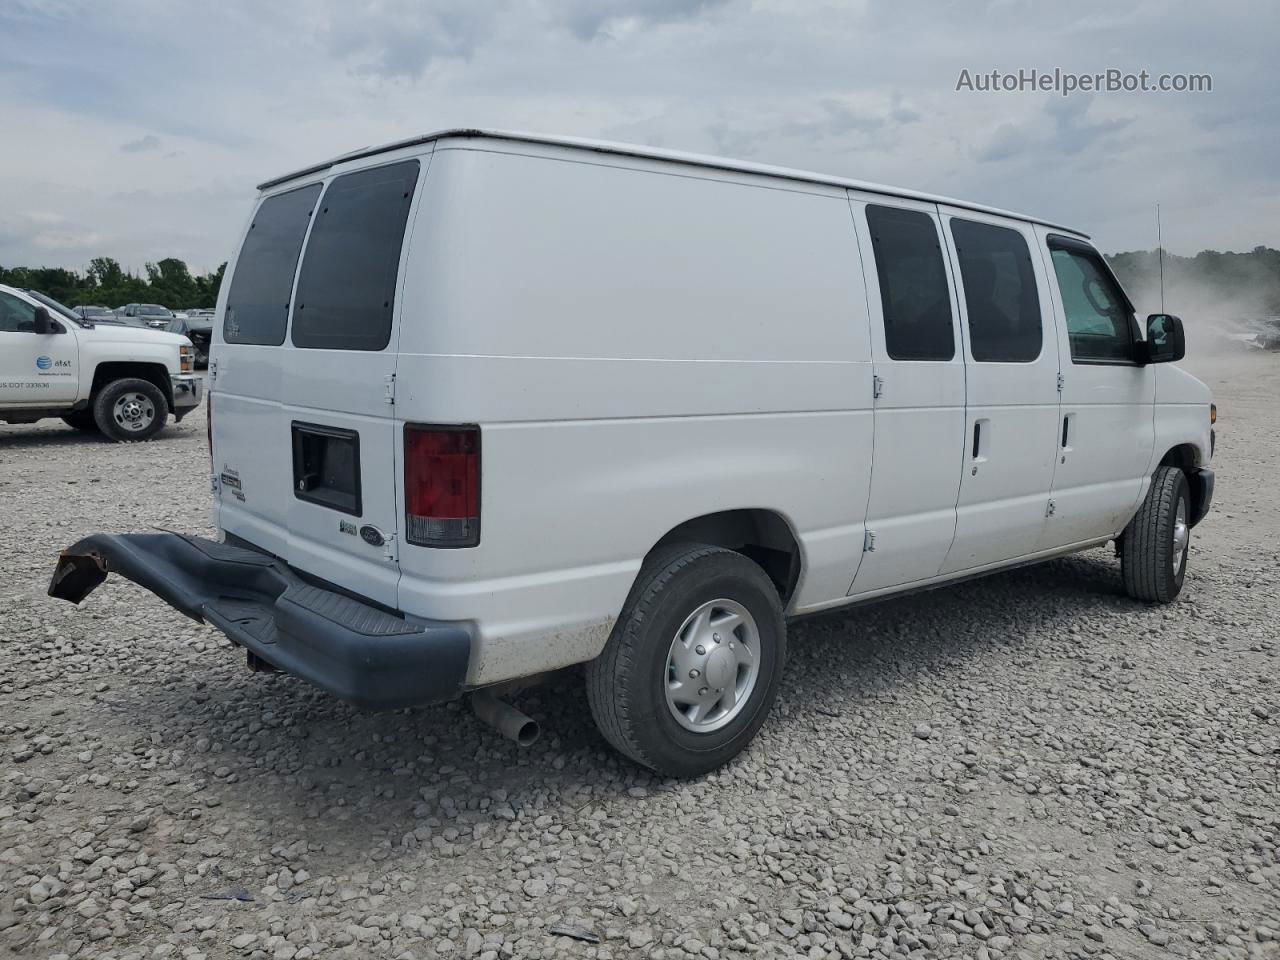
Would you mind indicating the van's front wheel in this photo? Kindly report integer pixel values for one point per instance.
(693, 663)
(1153, 560)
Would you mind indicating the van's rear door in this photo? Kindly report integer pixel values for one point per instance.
(313, 438)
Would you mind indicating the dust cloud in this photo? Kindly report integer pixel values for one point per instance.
(1225, 300)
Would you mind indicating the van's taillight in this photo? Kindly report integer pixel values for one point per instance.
(442, 485)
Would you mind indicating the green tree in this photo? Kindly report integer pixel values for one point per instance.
(105, 272)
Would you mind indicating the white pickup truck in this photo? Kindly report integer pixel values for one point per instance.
(121, 380)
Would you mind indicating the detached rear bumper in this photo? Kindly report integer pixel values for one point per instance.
(354, 650)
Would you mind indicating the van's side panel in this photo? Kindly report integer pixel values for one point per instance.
(640, 344)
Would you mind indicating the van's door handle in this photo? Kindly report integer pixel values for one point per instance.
(1066, 430)
(977, 438)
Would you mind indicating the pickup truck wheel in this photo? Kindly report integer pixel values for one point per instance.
(81, 420)
(1157, 540)
(130, 410)
(693, 664)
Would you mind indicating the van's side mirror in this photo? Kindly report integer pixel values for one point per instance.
(1165, 341)
(43, 323)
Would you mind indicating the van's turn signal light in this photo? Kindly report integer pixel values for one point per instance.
(1213, 413)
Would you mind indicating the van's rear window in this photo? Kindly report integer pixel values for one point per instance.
(258, 302)
(348, 281)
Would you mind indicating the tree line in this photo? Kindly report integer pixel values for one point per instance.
(168, 282)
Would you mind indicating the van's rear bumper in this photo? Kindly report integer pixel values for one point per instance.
(353, 649)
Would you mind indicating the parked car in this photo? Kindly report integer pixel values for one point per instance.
(96, 377)
(92, 313)
(152, 314)
(489, 405)
(198, 328)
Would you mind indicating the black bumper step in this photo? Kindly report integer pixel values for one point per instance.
(355, 650)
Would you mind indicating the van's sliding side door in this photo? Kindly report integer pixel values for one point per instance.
(919, 392)
(1011, 392)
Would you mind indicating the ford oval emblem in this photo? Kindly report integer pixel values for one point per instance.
(372, 535)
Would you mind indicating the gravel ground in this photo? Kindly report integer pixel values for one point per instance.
(1031, 765)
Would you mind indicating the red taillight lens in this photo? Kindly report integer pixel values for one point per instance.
(442, 485)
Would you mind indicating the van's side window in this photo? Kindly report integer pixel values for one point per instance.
(258, 301)
(348, 279)
(1099, 319)
(999, 292)
(913, 284)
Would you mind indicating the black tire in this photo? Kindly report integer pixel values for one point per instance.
(626, 684)
(105, 413)
(1147, 560)
(81, 420)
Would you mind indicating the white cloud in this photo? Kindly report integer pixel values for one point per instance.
(142, 144)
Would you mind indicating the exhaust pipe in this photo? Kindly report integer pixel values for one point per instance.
(505, 718)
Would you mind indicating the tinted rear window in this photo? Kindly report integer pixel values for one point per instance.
(913, 284)
(348, 280)
(258, 302)
(999, 292)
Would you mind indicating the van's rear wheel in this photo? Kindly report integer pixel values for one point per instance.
(1158, 539)
(693, 663)
(130, 409)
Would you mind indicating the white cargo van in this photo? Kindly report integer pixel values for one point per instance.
(486, 405)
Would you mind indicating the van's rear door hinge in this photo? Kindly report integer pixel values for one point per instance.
(1049, 510)
(389, 388)
(1061, 382)
(877, 387)
(389, 548)
(868, 542)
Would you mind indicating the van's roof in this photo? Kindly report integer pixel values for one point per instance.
(654, 153)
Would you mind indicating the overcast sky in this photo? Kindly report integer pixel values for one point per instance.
(139, 129)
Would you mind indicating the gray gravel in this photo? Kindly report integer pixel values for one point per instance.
(1027, 766)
